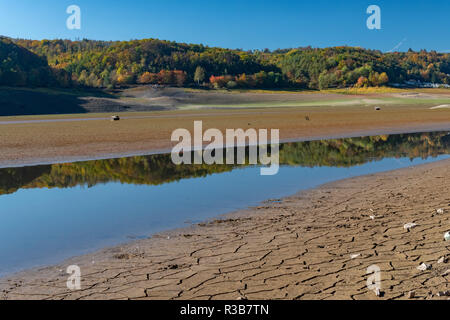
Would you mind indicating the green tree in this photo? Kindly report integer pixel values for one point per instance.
(199, 75)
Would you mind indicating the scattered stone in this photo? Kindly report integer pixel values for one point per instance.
(378, 292)
(442, 260)
(122, 256)
(447, 236)
(409, 225)
(411, 295)
(424, 267)
(444, 293)
(440, 211)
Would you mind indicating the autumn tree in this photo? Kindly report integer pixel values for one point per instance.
(147, 78)
(362, 82)
(199, 75)
(180, 78)
(383, 79)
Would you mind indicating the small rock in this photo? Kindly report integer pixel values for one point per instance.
(353, 256)
(409, 225)
(122, 256)
(444, 293)
(372, 217)
(411, 295)
(446, 272)
(442, 260)
(447, 236)
(440, 211)
(378, 292)
(424, 267)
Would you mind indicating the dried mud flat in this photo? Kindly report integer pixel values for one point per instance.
(313, 245)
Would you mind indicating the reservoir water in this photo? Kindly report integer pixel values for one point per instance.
(52, 212)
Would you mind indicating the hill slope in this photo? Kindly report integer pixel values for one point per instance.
(21, 67)
(149, 61)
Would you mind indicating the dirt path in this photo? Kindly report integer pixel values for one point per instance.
(314, 245)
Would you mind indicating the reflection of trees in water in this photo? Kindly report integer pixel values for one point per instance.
(353, 151)
(158, 169)
(12, 179)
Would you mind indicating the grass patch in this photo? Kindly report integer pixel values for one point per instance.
(370, 90)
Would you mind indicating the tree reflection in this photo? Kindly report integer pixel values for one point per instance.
(159, 169)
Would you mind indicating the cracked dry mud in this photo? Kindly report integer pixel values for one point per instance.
(298, 248)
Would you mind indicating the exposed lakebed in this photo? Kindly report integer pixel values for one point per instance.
(52, 212)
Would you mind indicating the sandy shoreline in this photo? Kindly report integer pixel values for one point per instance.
(149, 116)
(300, 247)
(27, 144)
(34, 160)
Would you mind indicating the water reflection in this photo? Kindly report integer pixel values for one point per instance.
(159, 169)
(52, 212)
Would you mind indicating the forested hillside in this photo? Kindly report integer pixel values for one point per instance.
(20, 67)
(150, 61)
(345, 66)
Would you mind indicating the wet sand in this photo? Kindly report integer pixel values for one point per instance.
(316, 244)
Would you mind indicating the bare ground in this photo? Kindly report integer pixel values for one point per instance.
(298, 116)
(40, 141)
(313, 245)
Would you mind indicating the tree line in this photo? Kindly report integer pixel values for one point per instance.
(106, 64)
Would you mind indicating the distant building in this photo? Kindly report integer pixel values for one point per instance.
(418, 84)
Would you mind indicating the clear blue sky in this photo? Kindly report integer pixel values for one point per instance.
(246, 24)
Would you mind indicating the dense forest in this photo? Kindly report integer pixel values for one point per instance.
(159, 169)
(21, 67)
(150, 61)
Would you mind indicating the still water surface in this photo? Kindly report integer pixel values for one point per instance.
(52, 212)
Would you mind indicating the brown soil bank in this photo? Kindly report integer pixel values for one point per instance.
(314, 245)
(24, 142)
